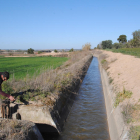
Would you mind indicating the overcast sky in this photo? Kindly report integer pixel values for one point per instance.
(65, 24)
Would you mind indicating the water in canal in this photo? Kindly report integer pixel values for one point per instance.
(87, 119)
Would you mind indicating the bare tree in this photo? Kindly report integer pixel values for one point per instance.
(87, 46)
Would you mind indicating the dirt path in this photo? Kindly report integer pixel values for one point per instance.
(42, 54)
(125, 72)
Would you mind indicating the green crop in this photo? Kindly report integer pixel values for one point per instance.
(129, 51)
(20, 67)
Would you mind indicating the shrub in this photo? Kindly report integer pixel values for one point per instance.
(86, 47)
(136, 34)
(71, 50)
(104, 64)
(55, 51)
(103, 61)
(39, 52)
(7, 89)
(121, 96)
(30, 51)
(135, 42)
(134, 132)
(107, 44)
(11, 54)
(127, 45)
(110, 80)
(117, 45)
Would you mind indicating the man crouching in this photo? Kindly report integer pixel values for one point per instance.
(4, 76)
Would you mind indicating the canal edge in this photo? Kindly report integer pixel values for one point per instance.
(117, 128)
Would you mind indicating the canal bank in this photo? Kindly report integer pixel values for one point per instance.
(87, 113)
(51, 118)
(87, 119)
(117, 128)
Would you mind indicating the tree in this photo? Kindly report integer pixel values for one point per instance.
(30, 51)
(107, 44)
(117, 45)
(135, 42)
(71, 50)
(55, 51)
(98, 46)
(40, 52)
(122, 39)
(136, 34)
(87, 46)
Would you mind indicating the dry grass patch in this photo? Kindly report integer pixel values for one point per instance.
(131, 115)
(15, 129)
(52, 82)
(134, 133)
(122, 96)
(104, 62)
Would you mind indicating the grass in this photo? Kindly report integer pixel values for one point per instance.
(104, 64)
(103, 61)
(121, 96)
(46, 86)
(129, 51)
(110, 80)
(131, 113)
(16, 129)
(19, 67)
(135, 133)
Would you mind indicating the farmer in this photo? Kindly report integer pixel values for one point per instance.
(4, 76)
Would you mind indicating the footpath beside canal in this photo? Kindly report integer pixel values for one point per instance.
(120, 80)
(117, 128)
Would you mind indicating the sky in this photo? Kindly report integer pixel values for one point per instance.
(65, 24)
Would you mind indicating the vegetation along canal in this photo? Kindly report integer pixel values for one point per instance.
(87, 119)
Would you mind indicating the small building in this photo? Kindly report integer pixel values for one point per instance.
(25, 53)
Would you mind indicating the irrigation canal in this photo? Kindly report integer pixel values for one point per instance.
(87, 119)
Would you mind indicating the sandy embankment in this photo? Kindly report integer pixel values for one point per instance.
(125, 72)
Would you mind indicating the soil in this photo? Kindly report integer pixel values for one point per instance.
(41, 54)
(17, 56)
(52, 54)
(125, 72)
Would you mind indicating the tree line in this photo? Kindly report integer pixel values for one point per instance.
(122, 42)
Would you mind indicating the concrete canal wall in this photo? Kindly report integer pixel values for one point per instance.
(117, 128)
(52, 120)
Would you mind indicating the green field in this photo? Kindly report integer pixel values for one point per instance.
(129, 51)
(19, 67)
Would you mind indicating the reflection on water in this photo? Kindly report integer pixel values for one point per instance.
(87, 119)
